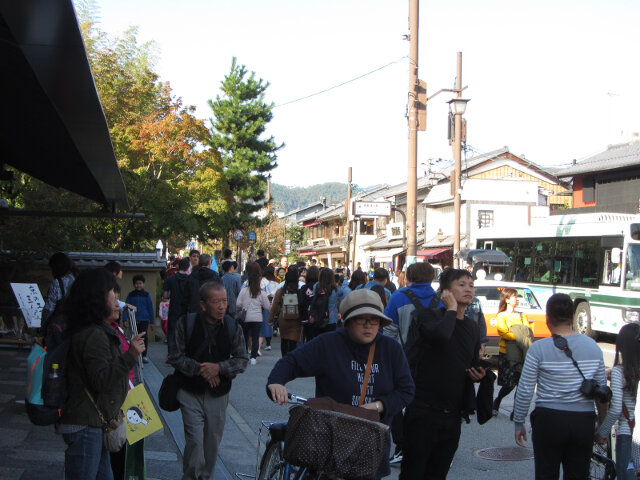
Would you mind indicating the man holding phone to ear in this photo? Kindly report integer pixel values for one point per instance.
(444, 379)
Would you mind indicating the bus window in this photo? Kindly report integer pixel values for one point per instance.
(563, 261)
(610, 269)
(585, 272)
(522, 268)
(632, 275)
(543, 263)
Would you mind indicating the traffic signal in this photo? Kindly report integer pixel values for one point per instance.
(421, 104)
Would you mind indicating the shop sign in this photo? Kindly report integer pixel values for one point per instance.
(374, 209)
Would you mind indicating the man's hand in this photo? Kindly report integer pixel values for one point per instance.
(476, 373)
(214, 382)
(209, 371)
(449, 300)
(521, 437)
(278, 393)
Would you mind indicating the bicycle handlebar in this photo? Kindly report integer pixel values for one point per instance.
(295, 399)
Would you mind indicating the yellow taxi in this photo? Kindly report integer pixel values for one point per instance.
(488, 293)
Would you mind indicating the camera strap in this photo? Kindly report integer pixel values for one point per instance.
(561, 344)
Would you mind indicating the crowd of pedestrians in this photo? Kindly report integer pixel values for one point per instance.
(329, 321)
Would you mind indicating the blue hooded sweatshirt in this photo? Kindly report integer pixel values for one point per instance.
(338, 364)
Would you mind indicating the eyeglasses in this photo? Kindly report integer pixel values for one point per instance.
(217, 302)
(363, 321)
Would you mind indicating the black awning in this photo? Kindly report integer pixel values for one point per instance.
(52, 126)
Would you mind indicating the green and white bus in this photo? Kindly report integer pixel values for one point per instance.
(593, 257)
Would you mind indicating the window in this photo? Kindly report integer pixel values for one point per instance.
(366, 227)
(588, 189)
(485, 218)
(396, 231)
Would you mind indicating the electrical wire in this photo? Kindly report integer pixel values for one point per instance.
(341, 84)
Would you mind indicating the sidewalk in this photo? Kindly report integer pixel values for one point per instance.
(30, 452)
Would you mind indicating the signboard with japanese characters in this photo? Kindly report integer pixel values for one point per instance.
(30, 302)
(373, 209)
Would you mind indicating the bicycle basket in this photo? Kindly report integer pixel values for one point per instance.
(334, 442)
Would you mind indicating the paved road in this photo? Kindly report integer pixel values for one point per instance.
(37, 453)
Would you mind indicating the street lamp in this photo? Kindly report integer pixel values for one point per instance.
(457, 106)
(159, 248)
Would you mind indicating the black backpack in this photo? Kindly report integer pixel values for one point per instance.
(319, 309)
(414, 345)
(47, 396)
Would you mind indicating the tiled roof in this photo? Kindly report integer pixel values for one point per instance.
(616, 156)
(127, 260)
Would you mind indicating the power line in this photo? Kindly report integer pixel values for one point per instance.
(341, 84)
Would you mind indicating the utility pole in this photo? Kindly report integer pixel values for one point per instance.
(412, 174)
(347, 225)
(457, 151)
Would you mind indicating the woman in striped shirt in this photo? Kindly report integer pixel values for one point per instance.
(624, 384)
(563, 422)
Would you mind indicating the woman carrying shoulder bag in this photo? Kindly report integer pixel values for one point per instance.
(98, 373)
(290, 325)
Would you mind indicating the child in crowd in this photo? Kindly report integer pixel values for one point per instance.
(145, 315)
(163, 312)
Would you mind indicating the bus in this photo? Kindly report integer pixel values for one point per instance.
(592, 257)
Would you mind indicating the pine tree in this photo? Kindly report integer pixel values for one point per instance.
(240, 119)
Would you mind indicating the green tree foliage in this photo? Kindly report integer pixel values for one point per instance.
(287, 199)
(240, 117)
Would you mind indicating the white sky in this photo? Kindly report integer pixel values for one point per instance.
(540, 74)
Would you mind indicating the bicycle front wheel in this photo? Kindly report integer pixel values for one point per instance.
(272, 464)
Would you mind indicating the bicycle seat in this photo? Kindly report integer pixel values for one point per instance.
(277, 431)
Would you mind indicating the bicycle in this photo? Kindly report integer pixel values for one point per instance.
(602, 467)
(272, 465)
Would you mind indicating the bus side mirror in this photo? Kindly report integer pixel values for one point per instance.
(616, 253)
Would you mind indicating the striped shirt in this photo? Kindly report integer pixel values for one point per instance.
(615, 407)
(558, 380)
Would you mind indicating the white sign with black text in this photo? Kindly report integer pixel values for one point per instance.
(30, 302)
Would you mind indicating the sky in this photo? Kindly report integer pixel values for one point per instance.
(551, 80)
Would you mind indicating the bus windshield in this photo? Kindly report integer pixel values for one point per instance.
(632, 277)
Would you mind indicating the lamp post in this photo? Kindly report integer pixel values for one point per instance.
(457, 108)
(159, 248)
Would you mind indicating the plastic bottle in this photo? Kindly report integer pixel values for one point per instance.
(54, 371)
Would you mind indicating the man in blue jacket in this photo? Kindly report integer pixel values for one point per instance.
(419, 277)
(141, 299)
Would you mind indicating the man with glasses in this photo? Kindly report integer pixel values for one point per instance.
(209, 352)
(338, 362)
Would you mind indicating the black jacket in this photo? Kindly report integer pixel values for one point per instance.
(191, 297)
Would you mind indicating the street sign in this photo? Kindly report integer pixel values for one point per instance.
(252, 236)
(374, 209)
(238, 235)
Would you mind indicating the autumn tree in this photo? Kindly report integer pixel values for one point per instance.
(240, 118)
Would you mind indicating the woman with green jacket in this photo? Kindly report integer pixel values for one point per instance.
(96, 366)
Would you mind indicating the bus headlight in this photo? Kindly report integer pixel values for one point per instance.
(630, 315)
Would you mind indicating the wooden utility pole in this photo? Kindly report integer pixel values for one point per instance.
(412, 174)
(347, 225)
(457, 153)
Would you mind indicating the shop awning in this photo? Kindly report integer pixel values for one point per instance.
(433, 252)
(52, 126)
(310, 223)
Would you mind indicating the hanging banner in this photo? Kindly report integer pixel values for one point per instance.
(140, 416)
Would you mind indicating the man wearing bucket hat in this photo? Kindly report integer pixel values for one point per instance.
(338, 360)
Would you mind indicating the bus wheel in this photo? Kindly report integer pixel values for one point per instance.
(582, 320)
